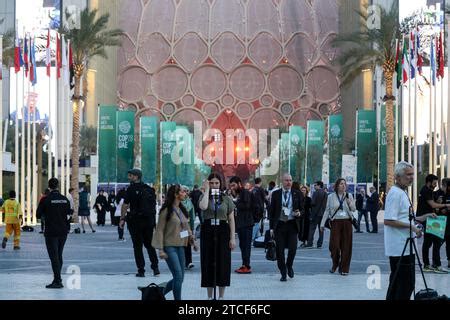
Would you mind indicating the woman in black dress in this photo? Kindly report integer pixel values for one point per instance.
(221, 226)
(304, 220)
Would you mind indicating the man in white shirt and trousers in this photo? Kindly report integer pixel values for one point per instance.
(396, 232)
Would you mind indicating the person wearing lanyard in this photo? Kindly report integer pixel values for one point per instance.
(172, 235)
(286, 208)
(340, 208)
(217, 237)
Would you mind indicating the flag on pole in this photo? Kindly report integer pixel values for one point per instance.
(48, 59)
(58, 56)
(17, 57)
(398, 65)
(412, 59)
(432, 63)
(405, 62)
(440, 57)
(419, 57)
(64, 63)
(25, 56)
(33, 63)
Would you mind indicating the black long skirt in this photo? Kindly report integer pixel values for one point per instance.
(223, 254)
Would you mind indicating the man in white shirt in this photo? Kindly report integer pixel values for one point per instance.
(396, 232)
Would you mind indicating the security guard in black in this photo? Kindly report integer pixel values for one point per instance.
(55, 208)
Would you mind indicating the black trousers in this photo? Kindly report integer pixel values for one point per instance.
(141, 231)
(362, 213)
(313, 225)
(373, 219)
(116, 221)
(101, 215)
(286, 237)
(55, 247)
(402, 286)
(428, 241)
(188, 255)
(245, 244)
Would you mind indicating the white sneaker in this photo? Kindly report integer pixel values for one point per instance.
(190, 265)
(440, 270)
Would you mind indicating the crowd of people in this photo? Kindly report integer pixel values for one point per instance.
(293, 213)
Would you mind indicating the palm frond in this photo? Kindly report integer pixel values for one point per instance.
(368, 48)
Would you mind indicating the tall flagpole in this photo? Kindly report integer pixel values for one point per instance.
(402, 131)
(1, 122)
(68, 125)
(430, 125)
(409, 128)
(16, 134)
(34, 174)
(441, 158)
(62, 107)
(50, 130)
(28, 206)
(416, 77)
(56, 133)
(23, 200)
(415, 186)
(448, 100)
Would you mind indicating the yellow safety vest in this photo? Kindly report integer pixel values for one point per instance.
(12, 211)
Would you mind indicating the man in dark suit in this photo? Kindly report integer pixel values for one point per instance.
(285, 209)
(373, 205)
(319, 204)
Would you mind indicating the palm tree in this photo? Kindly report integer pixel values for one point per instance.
(8, 47)
(369, 48)
(87, 42)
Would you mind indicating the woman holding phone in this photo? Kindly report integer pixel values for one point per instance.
(217, 237)
(340, 208)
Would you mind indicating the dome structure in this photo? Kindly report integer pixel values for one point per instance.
(265, 62)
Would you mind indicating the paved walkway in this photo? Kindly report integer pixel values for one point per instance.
(107, 271)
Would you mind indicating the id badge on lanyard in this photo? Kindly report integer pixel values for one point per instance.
(286, 210)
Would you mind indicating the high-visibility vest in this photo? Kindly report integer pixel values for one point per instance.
(11, 208)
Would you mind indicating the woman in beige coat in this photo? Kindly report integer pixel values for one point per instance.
(340, 208)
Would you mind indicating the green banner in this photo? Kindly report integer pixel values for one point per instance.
(185, 150)
(297, 153)
(107, 158)
(125, 144)
(314, 150)
(149, 154)
(366, 147)
(168, 142)
(335, 146)
(382, 144)
(284, 153)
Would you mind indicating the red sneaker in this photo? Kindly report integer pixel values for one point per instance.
(240, 270)
(244, 269)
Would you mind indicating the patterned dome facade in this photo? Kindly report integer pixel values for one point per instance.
(229, 63)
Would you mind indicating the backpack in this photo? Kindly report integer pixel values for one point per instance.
(152, 292)
(147, 202)
(257, 204)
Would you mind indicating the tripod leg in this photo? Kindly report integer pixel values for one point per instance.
(420, 265)
(394, 277)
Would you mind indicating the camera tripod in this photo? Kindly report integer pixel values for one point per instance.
(412, 245)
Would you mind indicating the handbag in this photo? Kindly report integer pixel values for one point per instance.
(152, 292)
(271, 250)
(328, 221)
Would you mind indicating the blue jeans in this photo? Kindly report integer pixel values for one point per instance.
(255, 230)
(175, 262)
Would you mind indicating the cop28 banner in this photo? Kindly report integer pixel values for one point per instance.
(125, 144)
(314, 150)
(366, 146)
(335, 145)
(297, 151)
(107, 159)
(149, 154)
(168, 141)
(284, 153)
